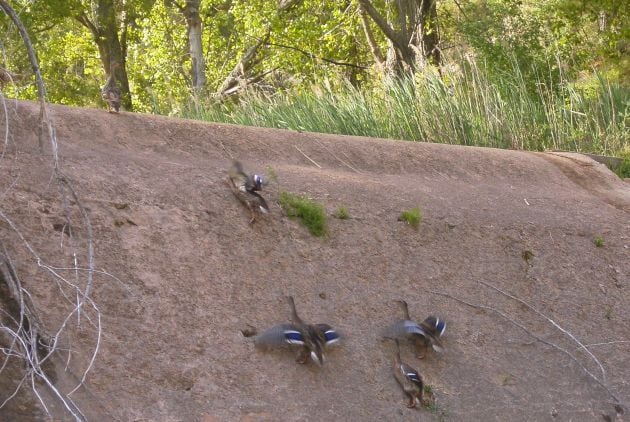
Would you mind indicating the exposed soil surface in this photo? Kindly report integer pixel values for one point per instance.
(191, 275)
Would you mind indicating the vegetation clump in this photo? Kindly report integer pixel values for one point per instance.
(527, 256)
(623, 170)
(273, 176)
(342, 213)
(599, 241)
(412, 217)
(310, 213)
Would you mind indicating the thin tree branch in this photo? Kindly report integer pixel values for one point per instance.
(461, 10)
(369, 35)
(181, 8)
(241, 68)
(28, 332)
(601, 368)
(313, 56)
(606, 343)
(287, 4)
(389, 32)
(307, 157)
(41, 90)
(44, 28)
(555, 346)
(85, 21)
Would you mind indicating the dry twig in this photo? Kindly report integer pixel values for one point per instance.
(548, 343)
(29, 340)
(307, 157)
(601, 368)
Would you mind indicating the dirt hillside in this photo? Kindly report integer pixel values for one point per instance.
(190, 275)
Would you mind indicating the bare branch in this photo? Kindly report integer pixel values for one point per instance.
(239, 71)
(313, 56)
(307, 157)
(548, 343)
(369, 35)
(29, 341)
(176, 4)
(285, 5)
(41, 90)
(85, 21)
(389, 32)
(601, 368)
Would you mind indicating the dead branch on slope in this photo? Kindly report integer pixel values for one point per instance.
(555, 324)
(538, 338)
(25, 333)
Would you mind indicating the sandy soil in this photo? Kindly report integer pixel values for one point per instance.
(191, 274)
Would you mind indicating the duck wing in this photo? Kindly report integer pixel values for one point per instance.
(404, 328)
(331, 336)
(280, 335)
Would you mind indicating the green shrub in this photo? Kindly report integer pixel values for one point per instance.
(311, 213)
(599, 241)
(342, 213)
(623, 170)
(412, 216)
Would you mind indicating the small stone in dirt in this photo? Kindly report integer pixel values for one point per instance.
(120, 206)
(322, 295)
(249, 331)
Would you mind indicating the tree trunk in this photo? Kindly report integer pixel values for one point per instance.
(428, 32)
(369, 36)
(193, 22)
(238, 77)
(104, 29)
(412, 33)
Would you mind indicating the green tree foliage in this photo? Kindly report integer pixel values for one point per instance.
(304, 43)
(568, 37)
(157, 61)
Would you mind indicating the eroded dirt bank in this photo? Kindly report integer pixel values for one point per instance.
(191, 274)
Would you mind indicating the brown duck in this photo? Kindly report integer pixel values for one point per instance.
(312, 339)
(245, 187)
(408, 378)
(425, 334)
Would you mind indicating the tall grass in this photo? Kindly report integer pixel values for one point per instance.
(467, 104)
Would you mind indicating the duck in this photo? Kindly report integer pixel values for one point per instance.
(310, 339)
(425, 334)
(408, 378)
(245, 187)
(110, 92)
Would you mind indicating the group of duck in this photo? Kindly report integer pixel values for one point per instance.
(311, 340)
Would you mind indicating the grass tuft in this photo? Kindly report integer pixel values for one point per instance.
(273, 176)
(412, 217)
(310, 213)
(623, 171)
(342, 213)
(527, 256)
(599, 241)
